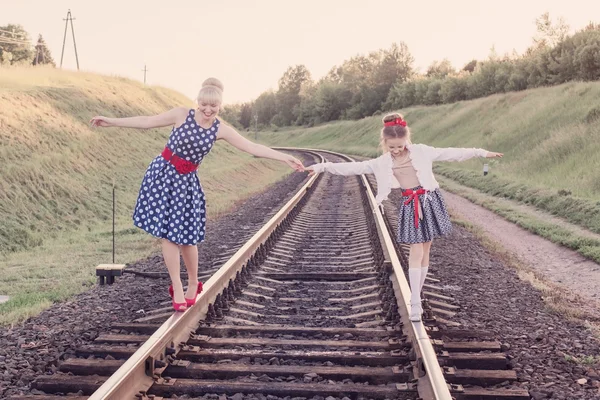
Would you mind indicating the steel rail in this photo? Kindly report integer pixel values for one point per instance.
(138, 372)
(432, 385)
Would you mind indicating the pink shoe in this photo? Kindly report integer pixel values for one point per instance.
(177, 306)
(180, 307)
(192, 301)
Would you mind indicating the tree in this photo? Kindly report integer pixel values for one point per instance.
(470, 66)
(265, 106)
(305, 111)
(401, 95)
(353, 72)
(395, 66)
(549, 34)
(288, 95)
(332, 99)
(440, 69)
(454, 88)
(231, 114)
(355, 76)
(246, 115)
(15, 44)
(587, 58)
(433, 96)
(42, 53)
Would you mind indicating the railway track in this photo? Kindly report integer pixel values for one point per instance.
(314, 304)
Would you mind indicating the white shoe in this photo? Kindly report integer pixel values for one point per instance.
(415, 312)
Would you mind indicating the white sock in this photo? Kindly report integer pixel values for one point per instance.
(424, 271)
(414, 278)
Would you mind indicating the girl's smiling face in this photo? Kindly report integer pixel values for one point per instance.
(396, 146)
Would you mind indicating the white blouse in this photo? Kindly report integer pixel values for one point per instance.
(421, 157)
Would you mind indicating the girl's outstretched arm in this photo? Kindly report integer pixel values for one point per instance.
(459, 154)
(232, 137)
(344, 168)
(170, 117)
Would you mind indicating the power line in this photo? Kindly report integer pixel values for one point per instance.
(9, 41)
(13, 41)
(5, 40)
(12, 33)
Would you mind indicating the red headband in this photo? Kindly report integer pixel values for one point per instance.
(397, 121)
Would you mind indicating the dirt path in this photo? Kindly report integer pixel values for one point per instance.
(556, 263)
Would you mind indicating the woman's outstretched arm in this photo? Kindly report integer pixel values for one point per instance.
(170, 117)
(459, 154)
(232, 137)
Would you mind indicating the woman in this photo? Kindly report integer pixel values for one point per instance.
(171, 204)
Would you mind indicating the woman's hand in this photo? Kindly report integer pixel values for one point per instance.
(100, 121)
(491, 154)
(294, 163)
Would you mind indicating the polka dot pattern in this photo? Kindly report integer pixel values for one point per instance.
(435, 221)
(171, 205)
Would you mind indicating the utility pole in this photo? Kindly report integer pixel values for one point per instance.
(69, 18)
(145, 70)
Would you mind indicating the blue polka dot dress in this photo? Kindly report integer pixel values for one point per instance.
(172, 205)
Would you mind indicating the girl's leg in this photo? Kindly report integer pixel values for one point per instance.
(415, 259)
(425, 263)
(170, 252)
(190, 258)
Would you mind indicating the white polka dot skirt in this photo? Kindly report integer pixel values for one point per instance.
(171, 205)
(433, 221)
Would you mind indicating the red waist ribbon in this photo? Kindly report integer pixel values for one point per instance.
(181, 165)
(413, 195)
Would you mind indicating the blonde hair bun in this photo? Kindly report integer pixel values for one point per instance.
(213, 82)
(391, 117)
(211, 91)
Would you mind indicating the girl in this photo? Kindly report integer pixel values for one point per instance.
(171, 204)
(423, 214)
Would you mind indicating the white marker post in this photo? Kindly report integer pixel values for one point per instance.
(485, 169)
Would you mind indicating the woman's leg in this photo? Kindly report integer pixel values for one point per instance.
(170, 252)
(190, 258)
(425, 263)
(415, 259)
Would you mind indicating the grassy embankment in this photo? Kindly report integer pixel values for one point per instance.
(550, 137)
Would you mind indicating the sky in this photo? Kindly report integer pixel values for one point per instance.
(248, 44)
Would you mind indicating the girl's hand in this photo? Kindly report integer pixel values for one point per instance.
(294, 163)
(310, 169)
(101, 122)
(491, 154)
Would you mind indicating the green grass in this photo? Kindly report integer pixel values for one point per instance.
(63, 267)
(550, 137)
(57, 174)
(584, 360)
(581, 211)
(587, 246)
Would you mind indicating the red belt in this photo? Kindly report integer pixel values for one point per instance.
(182, 166)
(413, 195)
